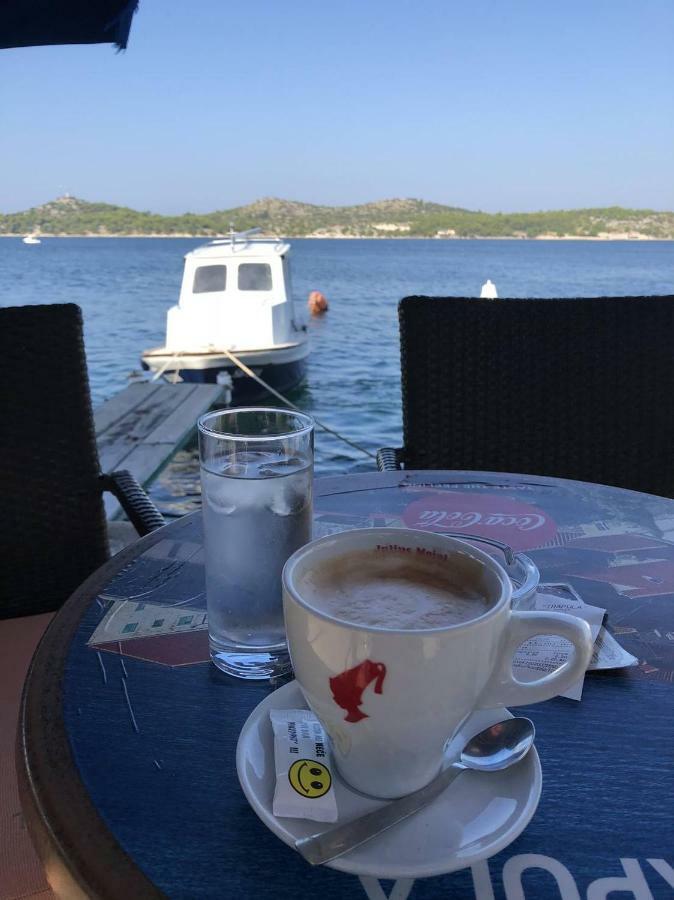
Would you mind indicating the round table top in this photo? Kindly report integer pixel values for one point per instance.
(128, 739)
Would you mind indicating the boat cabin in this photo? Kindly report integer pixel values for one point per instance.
(235, 294)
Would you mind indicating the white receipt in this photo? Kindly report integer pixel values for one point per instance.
(544, 653)
(608, 654)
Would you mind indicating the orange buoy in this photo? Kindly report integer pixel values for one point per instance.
(317, 303)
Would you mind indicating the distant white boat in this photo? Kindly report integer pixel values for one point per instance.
(488, 290)
(32, 239)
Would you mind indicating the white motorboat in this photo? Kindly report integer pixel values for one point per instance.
(236, 297)
(31, 239)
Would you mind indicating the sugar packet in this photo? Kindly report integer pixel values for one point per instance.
(304, 783)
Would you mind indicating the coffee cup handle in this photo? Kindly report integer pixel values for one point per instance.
(503, 689)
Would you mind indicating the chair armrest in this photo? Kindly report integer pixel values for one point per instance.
(140, 510)
(389, 459)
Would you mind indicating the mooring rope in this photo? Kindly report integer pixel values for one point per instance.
(244, 368)
(157, 375)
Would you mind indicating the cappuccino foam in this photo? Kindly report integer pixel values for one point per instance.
(394, 589)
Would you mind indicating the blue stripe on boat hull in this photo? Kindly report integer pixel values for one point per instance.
(282, 377)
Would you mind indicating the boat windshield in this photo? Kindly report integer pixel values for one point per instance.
(209, 279)
(254, 277)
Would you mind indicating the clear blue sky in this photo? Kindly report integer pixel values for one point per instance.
(489, 104)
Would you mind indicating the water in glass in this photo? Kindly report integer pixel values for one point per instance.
(257, 512)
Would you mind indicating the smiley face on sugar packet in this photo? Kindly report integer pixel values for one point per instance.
(310, 778)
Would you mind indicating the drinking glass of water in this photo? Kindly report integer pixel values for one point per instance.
(256, 489)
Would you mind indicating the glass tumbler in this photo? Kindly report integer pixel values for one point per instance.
(256, 487)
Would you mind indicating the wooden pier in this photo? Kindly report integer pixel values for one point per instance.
(142, 427)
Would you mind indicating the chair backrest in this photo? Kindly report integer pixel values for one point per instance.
(575, 388)
(52, 521)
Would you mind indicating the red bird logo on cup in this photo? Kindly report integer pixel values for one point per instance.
(347, 688)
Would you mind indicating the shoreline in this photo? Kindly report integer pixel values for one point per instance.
(633, 239)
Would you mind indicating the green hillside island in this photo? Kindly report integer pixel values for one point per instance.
(386, 218)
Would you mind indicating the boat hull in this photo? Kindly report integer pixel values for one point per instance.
(282, 377)
(283, 374)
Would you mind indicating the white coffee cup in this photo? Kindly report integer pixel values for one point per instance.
(403, 693)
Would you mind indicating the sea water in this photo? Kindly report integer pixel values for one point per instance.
(257, 512)
(126, 285)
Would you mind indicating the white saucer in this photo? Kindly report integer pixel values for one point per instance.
(473, 819)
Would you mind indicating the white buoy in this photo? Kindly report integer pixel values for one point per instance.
(489, 290)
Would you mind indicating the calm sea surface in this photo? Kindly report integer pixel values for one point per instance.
(125, 286)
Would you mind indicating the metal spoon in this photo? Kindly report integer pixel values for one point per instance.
(497, 747)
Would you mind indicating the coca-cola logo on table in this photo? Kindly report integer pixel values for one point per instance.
(518, 524)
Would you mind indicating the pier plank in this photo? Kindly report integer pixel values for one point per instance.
(143, 426)
(116, 407)
(137, 422)
(171, 428)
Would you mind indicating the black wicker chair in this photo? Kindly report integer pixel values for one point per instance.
(575, 388)
(52, 523)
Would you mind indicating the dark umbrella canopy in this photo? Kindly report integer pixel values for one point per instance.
(31, 23)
